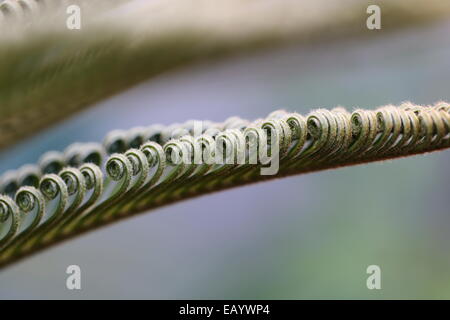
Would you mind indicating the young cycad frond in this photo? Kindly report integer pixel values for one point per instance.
(71, 192)
(48, 72)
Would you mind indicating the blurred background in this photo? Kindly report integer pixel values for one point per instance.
(304, 237)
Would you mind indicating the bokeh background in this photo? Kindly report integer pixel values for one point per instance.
(309, 236)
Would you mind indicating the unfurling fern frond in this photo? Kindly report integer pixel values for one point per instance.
(91, 185)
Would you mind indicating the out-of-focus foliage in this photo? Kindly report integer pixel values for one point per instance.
(48, 72)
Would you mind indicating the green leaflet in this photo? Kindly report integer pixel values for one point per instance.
(48, 72)
(149, 167)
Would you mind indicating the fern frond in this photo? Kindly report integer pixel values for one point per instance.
(48, 72)
(68, 193)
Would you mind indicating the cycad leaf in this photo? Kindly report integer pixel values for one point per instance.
(147, 169)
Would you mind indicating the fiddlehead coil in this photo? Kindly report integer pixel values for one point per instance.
(89, 185)
(9, 219)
